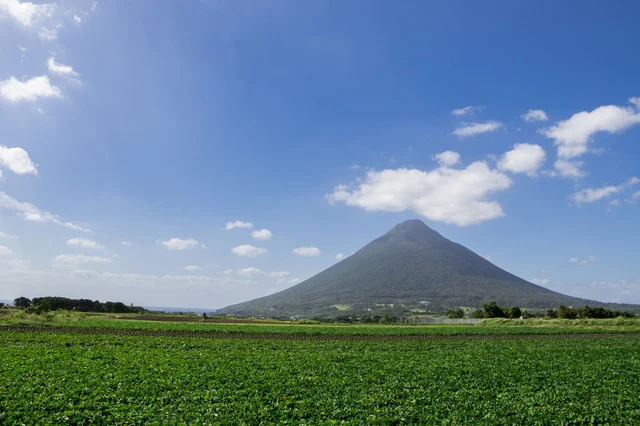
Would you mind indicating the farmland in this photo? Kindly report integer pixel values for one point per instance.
(492, 378)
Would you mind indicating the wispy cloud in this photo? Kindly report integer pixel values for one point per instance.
(473, 129)
(29, 212)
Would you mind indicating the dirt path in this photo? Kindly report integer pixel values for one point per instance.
(318, 337)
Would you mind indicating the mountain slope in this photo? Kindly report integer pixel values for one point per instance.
(408, 266)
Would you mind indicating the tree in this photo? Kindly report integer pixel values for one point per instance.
(22, 303)
(455, 313)
(492, 310)
(478, 313)
(515, 312)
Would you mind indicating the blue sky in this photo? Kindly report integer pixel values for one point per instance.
(324, 122)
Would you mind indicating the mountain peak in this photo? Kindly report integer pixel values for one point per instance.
(406, 269)
(414, 229)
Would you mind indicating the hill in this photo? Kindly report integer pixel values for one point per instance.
(411, 267)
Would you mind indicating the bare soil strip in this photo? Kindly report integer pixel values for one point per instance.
(319, 337)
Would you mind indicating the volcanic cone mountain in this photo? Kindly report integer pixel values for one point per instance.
(411, 267)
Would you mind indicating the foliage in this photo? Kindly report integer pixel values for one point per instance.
(81, 305)
(455, 313)
(22, 303)
(87, 379)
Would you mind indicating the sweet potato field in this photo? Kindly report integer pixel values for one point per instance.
(73, 378)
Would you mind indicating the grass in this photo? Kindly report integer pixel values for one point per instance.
(74, 379)
(486, 327)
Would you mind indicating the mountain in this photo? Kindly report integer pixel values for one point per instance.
(411, 267)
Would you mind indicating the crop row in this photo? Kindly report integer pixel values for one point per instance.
(300, 336)
(48, 378)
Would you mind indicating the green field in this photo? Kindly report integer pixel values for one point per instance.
(64, 377)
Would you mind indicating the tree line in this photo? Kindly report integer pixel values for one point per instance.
(492, 310)
(52, 303)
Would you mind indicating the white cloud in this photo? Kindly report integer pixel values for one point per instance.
(355, 167)
(572, 136)
(180, 244)
(339, 256)
(31, 213)
(14, 90)
(472, 129)
(589, 195)
(26, 13)
(446, 195)
(48, 34)
(77, 19)
(635, 196)
(227, 271)
(523, 158)
(126, 243)
(585, 261)
(250, 272)
(262, 234)
(307, 251)
(535, 115)
(3, 235)
(84, 243)
(539, 281)
(17, 160)
(5, 251)
(77, 259)
(193, 268)
(566, 168)
(60, 69)
(238, 224)
(466, 110)
(248, 250)
(253, 272)
(447, 158)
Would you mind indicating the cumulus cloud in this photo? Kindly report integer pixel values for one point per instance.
(454, 196)
(248, 250)
(585, 261)
(60, 69)
(590, 195)
(14, 90)
(339, 256)
(238, 224)
(472, 129)
(447, 158)
(227, 271)
(262, 234)
(26, 13)
(307, 251)
(17, 160)
(573, 136)
(566, 168)
(5, 251)
(31, 213)
(180, 244)
(193, 268)
(84, 243)
(523, 158)
(3, 235)
(468, 110)
(77, 259)
(126, 243)
(535, 115)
